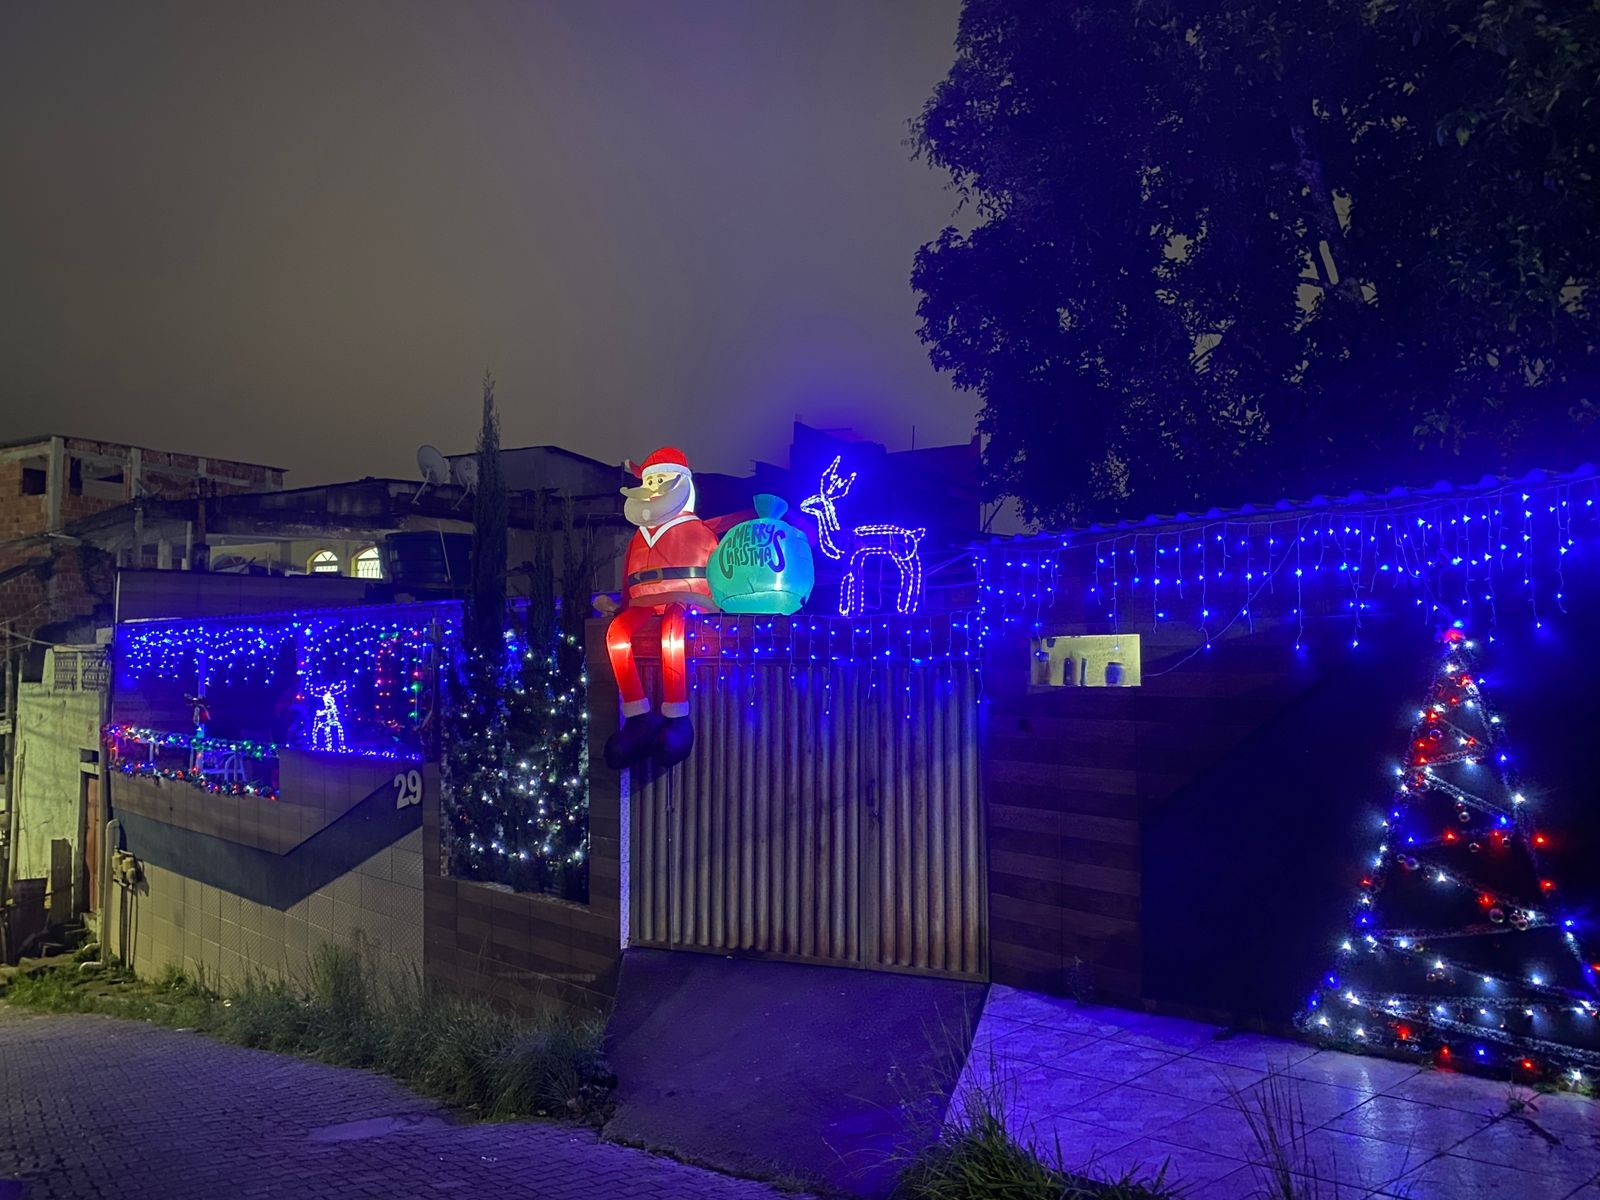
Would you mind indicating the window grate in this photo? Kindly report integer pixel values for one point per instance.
(94, 671)
(66, 674)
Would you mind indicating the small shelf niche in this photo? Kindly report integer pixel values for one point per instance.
(1085, 660)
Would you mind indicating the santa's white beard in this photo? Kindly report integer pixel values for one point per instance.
(645, 510)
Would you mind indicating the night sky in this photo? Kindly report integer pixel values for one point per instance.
(298, 233)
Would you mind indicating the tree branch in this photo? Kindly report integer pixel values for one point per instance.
(1324, 216)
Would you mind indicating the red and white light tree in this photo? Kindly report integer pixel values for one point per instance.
(1458, 947)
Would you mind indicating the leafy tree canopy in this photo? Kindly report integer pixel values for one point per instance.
(1235, 249)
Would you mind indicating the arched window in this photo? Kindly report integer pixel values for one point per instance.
(323, 562)
(368, 565)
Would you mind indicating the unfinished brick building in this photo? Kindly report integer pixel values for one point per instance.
(48, 483)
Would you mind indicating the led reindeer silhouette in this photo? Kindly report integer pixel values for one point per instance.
(894, 542)
(327, 726)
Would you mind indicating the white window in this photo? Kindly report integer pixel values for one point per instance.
(323, 562)
(368, 565)
(1090, 660)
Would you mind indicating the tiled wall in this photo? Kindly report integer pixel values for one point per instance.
(317, 789)
(173, 921)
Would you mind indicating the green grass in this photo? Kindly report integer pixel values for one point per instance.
(977, 1157)
(461, 1051)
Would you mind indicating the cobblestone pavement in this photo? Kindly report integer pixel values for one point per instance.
(97, 1107)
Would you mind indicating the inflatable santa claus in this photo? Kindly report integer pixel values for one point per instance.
(664, 574)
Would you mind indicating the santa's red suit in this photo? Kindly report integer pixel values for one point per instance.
(664, 572)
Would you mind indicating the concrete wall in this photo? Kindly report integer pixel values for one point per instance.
(55, 726)
(173, 921)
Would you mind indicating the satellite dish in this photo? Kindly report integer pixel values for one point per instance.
(434, 466)
(435, 469)
(464, 471)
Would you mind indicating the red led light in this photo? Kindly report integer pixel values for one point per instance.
(1546, 885)
(1485, 900)
(1539, 839)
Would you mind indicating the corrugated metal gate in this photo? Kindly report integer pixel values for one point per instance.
(828, 814)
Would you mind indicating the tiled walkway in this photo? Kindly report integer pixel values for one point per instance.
(1123, 1090)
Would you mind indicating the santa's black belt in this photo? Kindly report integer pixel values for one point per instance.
(659, 573)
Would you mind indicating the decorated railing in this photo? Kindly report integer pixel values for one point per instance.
(212, 702)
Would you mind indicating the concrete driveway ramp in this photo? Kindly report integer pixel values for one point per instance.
(782, 1069)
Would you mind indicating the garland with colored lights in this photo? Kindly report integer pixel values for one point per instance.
(1456, 949)
(191, 741)
(147, 770)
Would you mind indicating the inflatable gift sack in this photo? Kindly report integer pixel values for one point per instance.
(764, 565)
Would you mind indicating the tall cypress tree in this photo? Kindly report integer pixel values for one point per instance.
(487, 604)
(475, 760)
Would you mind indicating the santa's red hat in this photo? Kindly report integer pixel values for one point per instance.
(668, 460)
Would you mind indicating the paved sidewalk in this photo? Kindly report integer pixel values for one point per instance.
(95, 1107)
(1123, 1090)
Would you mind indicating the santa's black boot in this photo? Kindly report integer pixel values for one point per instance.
(631, 744)
(673, 742)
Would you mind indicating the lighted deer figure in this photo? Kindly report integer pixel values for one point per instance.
(894, 542)
(327, 726)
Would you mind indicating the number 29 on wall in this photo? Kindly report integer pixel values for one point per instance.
(407, 788)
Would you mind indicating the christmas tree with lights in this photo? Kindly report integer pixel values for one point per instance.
(1458, 948)
(516, 762)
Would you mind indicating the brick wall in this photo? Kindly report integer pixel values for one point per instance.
(69, 582)
(65, 589)
(20, 515)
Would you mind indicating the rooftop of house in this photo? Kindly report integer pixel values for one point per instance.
(545, 449)
(44, 439)
(1395, 500)
(357, 508)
